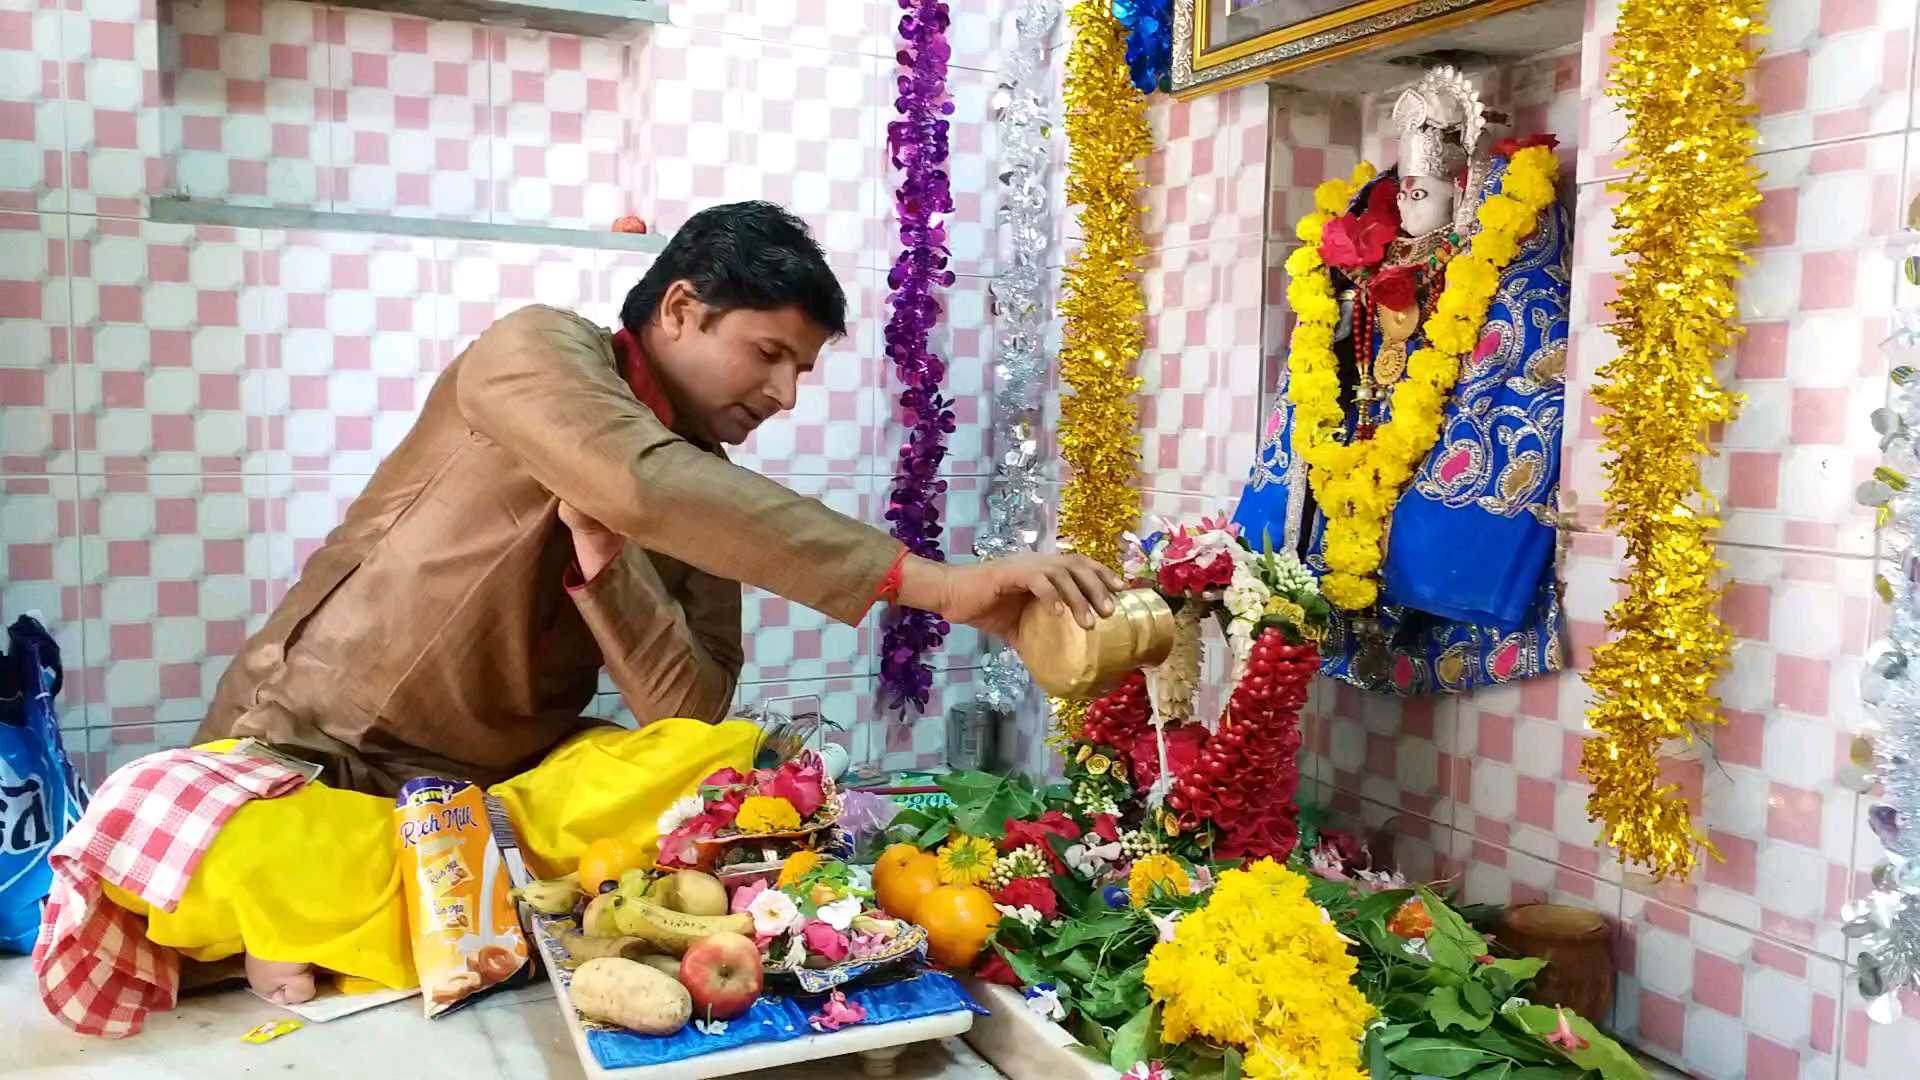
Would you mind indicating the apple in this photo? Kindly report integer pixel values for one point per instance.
(722, 972)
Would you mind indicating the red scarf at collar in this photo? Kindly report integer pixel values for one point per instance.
(639, 376)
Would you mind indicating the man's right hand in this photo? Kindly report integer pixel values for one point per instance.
(993, 596)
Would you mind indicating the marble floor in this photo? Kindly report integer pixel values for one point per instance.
(519, 1036)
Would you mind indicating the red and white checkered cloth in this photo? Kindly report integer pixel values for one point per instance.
(145, 832)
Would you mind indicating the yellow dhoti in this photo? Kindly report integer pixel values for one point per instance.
(314, 877)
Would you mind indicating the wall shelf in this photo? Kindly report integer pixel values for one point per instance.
(586, 18)
(177, 211)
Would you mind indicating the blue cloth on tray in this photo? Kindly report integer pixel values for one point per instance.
(780, 1019)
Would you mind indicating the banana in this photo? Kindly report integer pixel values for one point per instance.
(672, 932)
(597, 920)
(554, 897)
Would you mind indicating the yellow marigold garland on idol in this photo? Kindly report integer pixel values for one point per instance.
(1101, 302)
(1690, 193)
(1356, 484)
(1261, 967)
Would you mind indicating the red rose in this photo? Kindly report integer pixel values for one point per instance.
(800, 782)
(1023, 833)
(1183, 746)
(1106, 827)
(1506, 148)
(1353, 241)
(1033, 892)
(995, 969)
(1394, 288)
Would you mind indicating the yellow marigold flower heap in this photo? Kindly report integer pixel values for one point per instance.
(1262, 968)
(766, 813)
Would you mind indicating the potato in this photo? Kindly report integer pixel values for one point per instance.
(581, 948)
(631, 995)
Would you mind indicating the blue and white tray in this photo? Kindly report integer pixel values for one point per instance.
(774, 1032)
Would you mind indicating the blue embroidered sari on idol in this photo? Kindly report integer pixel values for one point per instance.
(1468, 591)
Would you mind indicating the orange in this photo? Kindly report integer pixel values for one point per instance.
(901, 890)
(892, 859)
(606, 859)
(958, 919)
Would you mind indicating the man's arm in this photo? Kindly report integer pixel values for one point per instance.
(540, 384)
(666, 657)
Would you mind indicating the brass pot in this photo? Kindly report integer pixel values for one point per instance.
(1069, 661)
(1577, 945)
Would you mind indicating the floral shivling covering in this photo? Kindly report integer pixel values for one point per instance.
(1469, 595)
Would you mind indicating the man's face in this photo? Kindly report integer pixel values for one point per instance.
(727, 373)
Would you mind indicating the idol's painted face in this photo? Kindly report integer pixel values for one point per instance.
(728, 372)
(1426, 204)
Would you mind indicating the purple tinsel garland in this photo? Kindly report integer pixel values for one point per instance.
(918, 140)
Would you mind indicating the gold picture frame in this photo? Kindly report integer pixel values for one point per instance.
(1219, 44)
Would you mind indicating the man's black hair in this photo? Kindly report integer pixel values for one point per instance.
(743, 255)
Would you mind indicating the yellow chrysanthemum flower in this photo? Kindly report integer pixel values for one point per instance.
(1310, 228)
(967, 860)
(1161, 870)
(1303, 261)
(1261, 967)
(1332, 196)
(796, 867)
(766, 813)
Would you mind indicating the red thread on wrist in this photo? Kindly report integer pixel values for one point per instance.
(890, 585)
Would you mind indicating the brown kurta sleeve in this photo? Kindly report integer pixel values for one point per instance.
(542, 384)
(668, 658)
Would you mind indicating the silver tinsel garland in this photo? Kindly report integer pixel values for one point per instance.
(1016, 510)
(1887, 920)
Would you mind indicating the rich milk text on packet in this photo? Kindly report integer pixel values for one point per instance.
(466, 929)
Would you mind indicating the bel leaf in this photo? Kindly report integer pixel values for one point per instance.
(1437, 1057)
(1601, 1053)
(1448, 923)
(1444, 1005)
(1522, 969)
(1499, 1070)
(1448, 954)
(935, 834)
(1382, 904)
(1133, 1041)
(1476, 999)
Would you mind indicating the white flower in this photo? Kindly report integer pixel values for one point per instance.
(1163, 924)
(710, 1027)
(840, 913)
(1417, 947)
(1382, 880)
(796, 957)
(1026, 914)
(1045, 1000)
(1090, 862)
(773, 911)
(683, 810)
(1513, 1003)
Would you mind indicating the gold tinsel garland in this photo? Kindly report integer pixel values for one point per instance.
(1101, 303)
(1690, 193)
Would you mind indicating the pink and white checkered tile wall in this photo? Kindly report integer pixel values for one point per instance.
(185, 411)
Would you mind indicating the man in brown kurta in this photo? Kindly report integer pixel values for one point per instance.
(562, 504)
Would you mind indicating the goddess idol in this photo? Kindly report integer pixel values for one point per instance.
(1413, 457)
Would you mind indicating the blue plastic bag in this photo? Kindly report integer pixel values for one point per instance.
(41, 794)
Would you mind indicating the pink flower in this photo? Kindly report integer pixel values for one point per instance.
(677, 847)
(800, 782)
(743, 896)
(1145, 1070)
(864, 945)
(725, 804)
(1564, 1036)
(824, 941)
(837, 1012)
